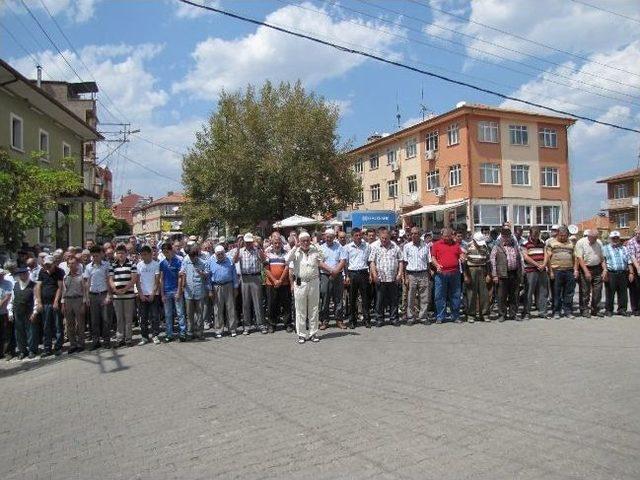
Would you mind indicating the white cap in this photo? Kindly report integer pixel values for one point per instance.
(191, 242)
(303, 235)
(193, 238)
(218, 249)
(48, 259)
(478, 237)
(329, 231)
(248, 237)
(614, 234)
(555, 227)
(222, 239)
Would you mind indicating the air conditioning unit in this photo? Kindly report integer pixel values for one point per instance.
(439, 191)
(431, 154)
(394, 166)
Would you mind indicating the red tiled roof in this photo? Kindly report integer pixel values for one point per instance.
(174, 198)
(599, 222)
(124, 208)
(621, 176)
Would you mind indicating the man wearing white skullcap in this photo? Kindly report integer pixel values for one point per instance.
(305, 260)
(331, 280)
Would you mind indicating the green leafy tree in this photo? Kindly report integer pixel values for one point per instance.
(108, 225)
(29, 190)
(265, 156)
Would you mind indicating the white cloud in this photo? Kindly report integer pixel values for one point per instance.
(184, 10)
(267, 54)
(344, 106)
(78, 11)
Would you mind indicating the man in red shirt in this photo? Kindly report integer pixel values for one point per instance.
(445, 257)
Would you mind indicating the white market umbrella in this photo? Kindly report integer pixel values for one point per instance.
(295, 221)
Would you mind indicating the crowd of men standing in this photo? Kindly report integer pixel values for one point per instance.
(93, 297)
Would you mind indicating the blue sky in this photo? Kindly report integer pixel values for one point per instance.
(161, 66)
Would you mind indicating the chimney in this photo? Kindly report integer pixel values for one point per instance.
(39, 69)
(169, 193)
(373, 137)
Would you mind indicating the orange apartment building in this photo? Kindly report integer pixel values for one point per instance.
(475, 165)
(622, 201)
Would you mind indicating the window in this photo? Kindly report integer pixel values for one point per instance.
(520, 175)
(391, 156)
(66, 150)
(490, 173)
(358, 167)
(433, 180)
(518, 135)
(491, 215)
(623, 220)
(548, 215)
(549, 177)
(453, 137)
(488, 132)
(360, 198)
(412, 181)
(375, 192)
(521, 215)
(621, 190)
(374, 161)
(432, 140)
(17, 132)
(455, 176)
(548, 137)
(411, 148)
(43, 144)
(392, 186)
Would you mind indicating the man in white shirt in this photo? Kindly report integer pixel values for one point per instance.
(148, 299)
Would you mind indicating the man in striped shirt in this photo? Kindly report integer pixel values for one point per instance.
(123, 275)
(536, 273)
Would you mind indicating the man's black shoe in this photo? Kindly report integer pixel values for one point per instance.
(72, 350)
(46, 353)
(352, 325)
(183, 337)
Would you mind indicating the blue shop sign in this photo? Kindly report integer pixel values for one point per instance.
(373, 219)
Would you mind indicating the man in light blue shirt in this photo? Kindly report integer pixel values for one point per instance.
(194, 280)
(331, 279)
(224, 285)
(171, 296)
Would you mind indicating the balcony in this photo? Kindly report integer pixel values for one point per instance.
(619, 203)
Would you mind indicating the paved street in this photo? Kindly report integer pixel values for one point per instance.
(542, 399)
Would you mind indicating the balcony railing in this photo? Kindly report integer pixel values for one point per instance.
(619, 203)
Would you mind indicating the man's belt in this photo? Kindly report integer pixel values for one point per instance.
(417, 271)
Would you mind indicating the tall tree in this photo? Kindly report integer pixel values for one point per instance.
(265, 156)
(28, 191)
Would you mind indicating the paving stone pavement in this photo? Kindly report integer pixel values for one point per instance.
(542, 399)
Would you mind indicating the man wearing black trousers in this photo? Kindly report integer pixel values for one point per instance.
(358, 253)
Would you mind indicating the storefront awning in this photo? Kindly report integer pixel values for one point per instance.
(435, 208)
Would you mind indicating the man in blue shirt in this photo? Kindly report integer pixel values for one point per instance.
(331, 279)
(194, 284)
(617, 274)
(171, 297)
(224, 289)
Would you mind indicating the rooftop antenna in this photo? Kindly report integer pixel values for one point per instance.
(398, 116)
(423, 107)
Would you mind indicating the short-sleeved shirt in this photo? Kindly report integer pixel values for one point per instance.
(277, 263)
(633, 247)
(6, 288)
(122, 274)
(170, 270)
(148, 273)
(97, 276)
(305, 265)
(222, 272)
(617, 258)
(535, 251)
(560, 254)
(591, 253)
(333, 254)
(447, 255)
(417, 257)
(195, 285)
(250, 262)
(49, 284)
(387, 260)
(358, 256)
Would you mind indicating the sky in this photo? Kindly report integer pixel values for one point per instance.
(161, 65)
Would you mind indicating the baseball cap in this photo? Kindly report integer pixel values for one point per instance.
(218, 249)
(48, 259)
(555, 227)
(614, 234)
(478, 237)
(248, 237)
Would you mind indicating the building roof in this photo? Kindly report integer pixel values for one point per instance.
(17, 84)
(621, 176)
(169, 199)
(466, 108)
(599, 222)
(126, 205)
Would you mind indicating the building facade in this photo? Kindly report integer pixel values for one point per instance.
(124, 208)
(35, 122)
(159, 217)
(622, 203)
(473, 166)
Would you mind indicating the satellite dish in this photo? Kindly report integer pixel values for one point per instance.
(573, 229)
(414, 197)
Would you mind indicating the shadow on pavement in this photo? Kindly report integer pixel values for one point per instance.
(337, 335)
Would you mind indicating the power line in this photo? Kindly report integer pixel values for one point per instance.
(159, 145)
(633, 19)
(487, 42)
(519, 37)
(404, 66)
(73, 49)
(151, 170)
